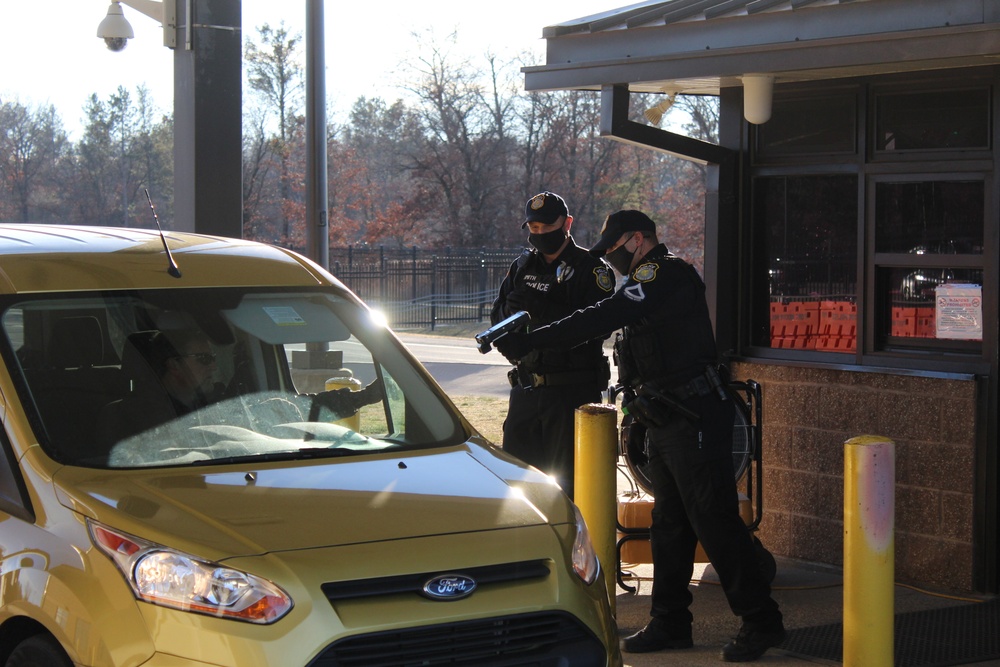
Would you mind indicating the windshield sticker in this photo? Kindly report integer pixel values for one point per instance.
(284, 316)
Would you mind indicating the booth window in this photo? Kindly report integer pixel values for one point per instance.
(928, 258)
(808, 248)
(809, 125)
(933, 120)
(869, 209)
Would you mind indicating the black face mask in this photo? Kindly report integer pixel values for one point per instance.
(548, 243)
(620, 259)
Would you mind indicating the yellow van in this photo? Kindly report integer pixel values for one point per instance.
(213, 453)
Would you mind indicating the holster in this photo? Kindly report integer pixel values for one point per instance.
(655, 406)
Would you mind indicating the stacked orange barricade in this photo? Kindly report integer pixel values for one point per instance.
(910, 322)
(794, 325)
(830, 326)
(838, 326)
(904, 322)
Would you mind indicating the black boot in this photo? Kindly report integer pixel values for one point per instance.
(750, 644)
(657, 636)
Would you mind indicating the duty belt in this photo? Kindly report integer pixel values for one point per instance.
(531, 380)
(700, 385)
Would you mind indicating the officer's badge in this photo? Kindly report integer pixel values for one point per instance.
(644, 273)
(604, 279)
(564, 272)
(537, 202)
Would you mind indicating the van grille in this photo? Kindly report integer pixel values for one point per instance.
(414, 583)
(532, 640)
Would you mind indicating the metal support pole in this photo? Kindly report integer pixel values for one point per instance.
(317, 231)
(869, 551)
(317, 193)
(208, 119)
(595, 438)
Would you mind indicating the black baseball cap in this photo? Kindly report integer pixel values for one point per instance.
(544, 207)
(617, 224)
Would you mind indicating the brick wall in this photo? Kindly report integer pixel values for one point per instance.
(809, 413)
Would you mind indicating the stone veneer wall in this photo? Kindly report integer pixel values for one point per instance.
(809, 413)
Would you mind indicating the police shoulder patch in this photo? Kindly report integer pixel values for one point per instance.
(634, 292)
(644, 273)
(604, 279)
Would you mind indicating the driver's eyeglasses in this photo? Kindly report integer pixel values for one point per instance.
(203, 358)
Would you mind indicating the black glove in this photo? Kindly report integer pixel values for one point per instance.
(344, 402)
(518, 299)
(514, 346)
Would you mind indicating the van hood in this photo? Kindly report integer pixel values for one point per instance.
(239, 510)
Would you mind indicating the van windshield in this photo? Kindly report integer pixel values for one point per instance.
(198, 376)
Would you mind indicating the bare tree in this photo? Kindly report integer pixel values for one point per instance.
(702, 112)
(122, 151)
(259, 166)
(461, 151)
(275, 71)
(32, 143)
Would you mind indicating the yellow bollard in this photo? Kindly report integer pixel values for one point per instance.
(596, 453)
(869, 551)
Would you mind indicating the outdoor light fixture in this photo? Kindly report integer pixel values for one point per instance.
(654, 114)
(757, 90)
(115, 29)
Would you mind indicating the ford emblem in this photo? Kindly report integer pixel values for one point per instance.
(449, 587)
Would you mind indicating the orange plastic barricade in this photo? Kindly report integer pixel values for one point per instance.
(904, 322)
(795, 324)
(838, 326)
(925, 322)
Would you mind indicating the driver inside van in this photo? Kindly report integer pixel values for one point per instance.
(171, 373)
(189, 373)
(175, 373)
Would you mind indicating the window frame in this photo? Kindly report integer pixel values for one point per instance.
(875, 341)
(933, 356)
(929, 85)
(853, 91)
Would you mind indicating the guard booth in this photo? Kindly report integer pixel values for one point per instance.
(851, 241)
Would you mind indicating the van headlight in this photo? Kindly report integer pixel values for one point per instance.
(171, 578)
(585, 562)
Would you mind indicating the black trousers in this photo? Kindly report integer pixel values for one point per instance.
(539, 428)
(695, 499)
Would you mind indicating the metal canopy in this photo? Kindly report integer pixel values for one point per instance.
(702, 46)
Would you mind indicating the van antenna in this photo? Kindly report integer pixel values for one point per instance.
(172, 269)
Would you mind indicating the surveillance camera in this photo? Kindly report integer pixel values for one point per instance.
(115, 29)
(116, 43)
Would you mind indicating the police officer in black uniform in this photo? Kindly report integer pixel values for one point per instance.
(666, 359)
(551, 280)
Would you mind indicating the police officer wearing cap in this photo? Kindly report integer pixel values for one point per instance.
(551, 280)
(666, 358)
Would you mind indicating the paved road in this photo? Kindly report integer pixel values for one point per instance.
(458, 366)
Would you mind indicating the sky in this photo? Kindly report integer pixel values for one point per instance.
(51, 55)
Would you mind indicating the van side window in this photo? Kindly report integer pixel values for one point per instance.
(13, 498)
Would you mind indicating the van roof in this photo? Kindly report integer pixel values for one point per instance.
(60, 258)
